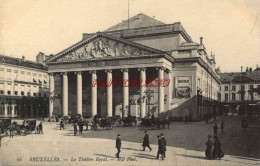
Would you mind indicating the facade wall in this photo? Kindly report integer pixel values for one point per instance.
(18, 83)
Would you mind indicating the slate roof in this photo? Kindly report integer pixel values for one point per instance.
(253, 76)
(137, 21)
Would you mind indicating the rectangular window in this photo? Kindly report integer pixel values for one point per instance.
(226, 97)
(226, 88)
(251, 96)
(242, 97)
(242, 87)
(233, 88)
(15, 92)
(28, 77)
(28, 93)
(22, 93)
(34, 94)
(9, 74)
(15, 75)
(22, 76)
(9, 92)
(1, 88)
(2, 74)
(233, 97)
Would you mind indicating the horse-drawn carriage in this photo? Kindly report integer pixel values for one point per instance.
(129, 120)
(153, 123)
(105, 123)
(4, 123)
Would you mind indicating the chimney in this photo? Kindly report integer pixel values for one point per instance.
(241, 69)
(250, 69)
(139, 16)
(201, 40)
(23, 58)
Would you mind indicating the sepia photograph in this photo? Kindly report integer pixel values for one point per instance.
(129, 82)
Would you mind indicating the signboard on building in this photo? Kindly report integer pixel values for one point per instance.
(183, 86)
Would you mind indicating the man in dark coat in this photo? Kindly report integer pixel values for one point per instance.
(80, 126)
(75, 128)
(164, 142)
(61, 124)
(11, 129)
(40, 128)
(161, 148)
(118, 145)
(215, 128)
(222, 127)
(146, 142)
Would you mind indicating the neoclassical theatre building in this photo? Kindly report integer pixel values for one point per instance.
(142, 68)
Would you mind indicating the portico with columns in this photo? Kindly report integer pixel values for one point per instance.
(105, 75)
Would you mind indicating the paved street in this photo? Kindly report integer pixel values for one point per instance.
(186, 146)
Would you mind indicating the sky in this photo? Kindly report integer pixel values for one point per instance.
(230, 28)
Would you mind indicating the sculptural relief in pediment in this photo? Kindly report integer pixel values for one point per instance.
(102, 47)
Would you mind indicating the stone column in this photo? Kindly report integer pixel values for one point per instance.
(51, 97)
(161, 90)
(6, 110)
(13, 108)
(79, 93)
(65, 94)
(125, 93)
(142, 92)
(109, 93)
(93, 93)
(170, 88)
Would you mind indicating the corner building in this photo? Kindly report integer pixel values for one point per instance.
(148, 51)
(24, 88)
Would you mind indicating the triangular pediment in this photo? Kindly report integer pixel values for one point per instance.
(101, 45)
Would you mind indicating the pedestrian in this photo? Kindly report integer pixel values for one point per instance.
(222, 127)
(0, 137)
(40, 128)
(86, 125)
(215, 128)
(146, 142)
(118, 145)
(186, 118)
(217, 152)
(80, 126)
(61, 124)
(75, 128)
(164, 142)
(11, 129)
(209, 145)
(160, 148)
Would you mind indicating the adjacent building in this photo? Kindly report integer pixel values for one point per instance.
(24, 88)
(240, 91)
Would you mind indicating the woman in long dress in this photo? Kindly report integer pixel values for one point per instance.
(217, 152)
(209, 145)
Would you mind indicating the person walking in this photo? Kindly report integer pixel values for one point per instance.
(80, 126)
(86, 122)
(217, 152)
(146, 142)
(61, 124)
(164, 142)
(40, 128)
(118, 145)
(161, 148)
(222, 127)
(209, 145)
(75, 128)
(11, 129)
(215, 128)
